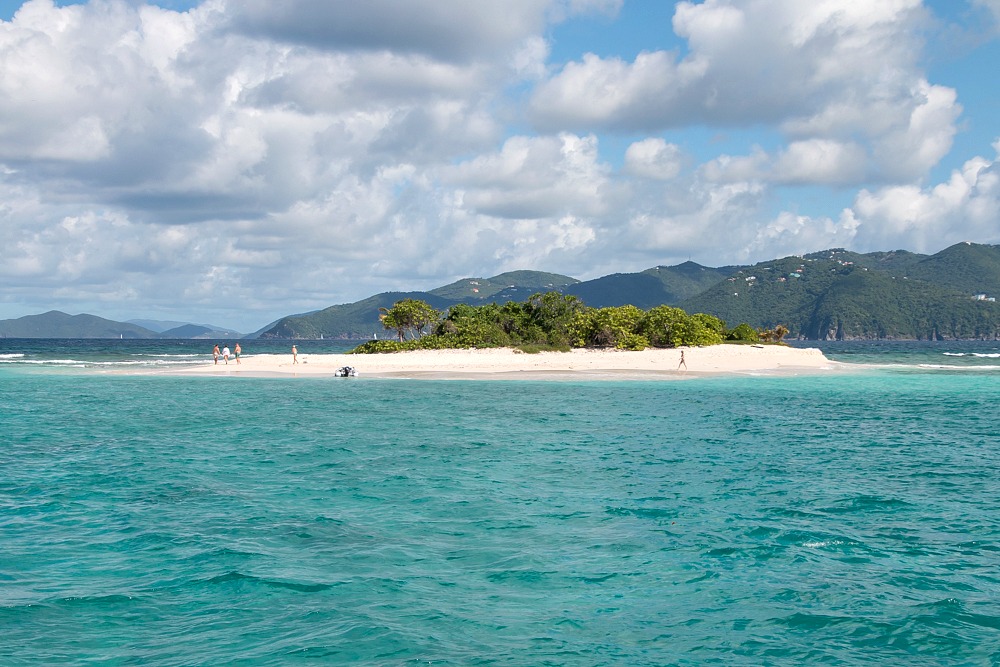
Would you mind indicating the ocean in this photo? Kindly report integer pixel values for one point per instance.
(831, 519)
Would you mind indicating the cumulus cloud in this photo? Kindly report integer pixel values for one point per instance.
(445, 30)
(838, 78)
(535, 177)
(963, 208)
(251, 159)
(653, 158)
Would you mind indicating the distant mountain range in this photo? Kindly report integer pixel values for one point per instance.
(56, 324)
(833, 294)
(170, 329)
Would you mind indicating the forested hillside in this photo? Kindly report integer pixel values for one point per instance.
(836, 294)
(653, 287)
(824, 295)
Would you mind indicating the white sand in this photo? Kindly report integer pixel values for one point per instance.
(513, 364)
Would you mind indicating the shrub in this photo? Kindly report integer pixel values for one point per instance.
(634, 342)
(744, 333)
(606, 327)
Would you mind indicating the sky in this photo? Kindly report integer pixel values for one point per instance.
(234, 161)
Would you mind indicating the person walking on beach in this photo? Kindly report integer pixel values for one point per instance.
(215, 354)
(295, 355)
(225, 353)
(683, 363)
(236, 351)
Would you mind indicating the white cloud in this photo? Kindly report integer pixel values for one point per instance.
(75, 80)
(535, 177)
(449, 30)
(242, 161)
(837, 77)
(965, 207)
(820, 161)
(653, 158)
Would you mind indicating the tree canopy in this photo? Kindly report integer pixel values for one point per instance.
(550, 320)
(408, 315)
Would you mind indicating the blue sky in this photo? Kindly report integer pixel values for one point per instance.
(233, 162)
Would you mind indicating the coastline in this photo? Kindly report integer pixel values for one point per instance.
(506, 363)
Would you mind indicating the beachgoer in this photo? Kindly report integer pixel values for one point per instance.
(295, 355)
(215, 355)
(236, 351)
(225, 354)
(683, 363)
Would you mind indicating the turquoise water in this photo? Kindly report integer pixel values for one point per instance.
(841, 519)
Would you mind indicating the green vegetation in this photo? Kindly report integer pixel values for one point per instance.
(56, 324)
(408, 315)
(546, 321)
(652, 287)
(833, 294)
(842, 295)
(505, 287)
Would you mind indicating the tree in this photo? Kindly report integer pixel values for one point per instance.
(474, 326)
(615, 326)
(773, 335)
(410, 315)
(554, 314)
(743, 333)
(662, 326)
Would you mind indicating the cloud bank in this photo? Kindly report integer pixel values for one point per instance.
(245, 160)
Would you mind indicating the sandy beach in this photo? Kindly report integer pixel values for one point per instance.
(513, 364)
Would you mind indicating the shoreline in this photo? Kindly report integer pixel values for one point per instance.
(507, 363)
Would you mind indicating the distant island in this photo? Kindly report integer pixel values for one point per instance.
(56, 324)
(830, 295)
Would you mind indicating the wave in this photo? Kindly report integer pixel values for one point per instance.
(953, 367)
(927, 367)
(17, 355)
(82, 363)
(981, 355)
(181, 356)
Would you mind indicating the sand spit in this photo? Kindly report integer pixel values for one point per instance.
(513, 364)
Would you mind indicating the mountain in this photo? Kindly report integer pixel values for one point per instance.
(653, 287)
(360, 320)
(831, 294)
(968, 268)
(56, 324)
(895, 261)
(840, 295)
(170, 329)
(351, 321)
(159, 326)
(503, 286)
(199, 331)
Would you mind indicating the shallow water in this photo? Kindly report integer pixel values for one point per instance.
(842, 519)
